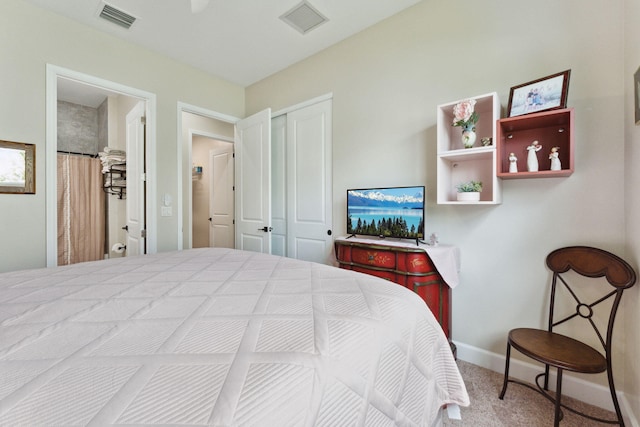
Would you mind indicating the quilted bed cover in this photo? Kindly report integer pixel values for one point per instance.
(218, 337)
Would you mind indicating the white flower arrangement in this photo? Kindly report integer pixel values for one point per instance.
(464, 114)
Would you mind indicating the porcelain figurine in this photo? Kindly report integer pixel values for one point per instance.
(555, 161)
(513, 163)
(532, 156)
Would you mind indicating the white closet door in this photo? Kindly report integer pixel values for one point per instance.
(309, 183)
(253, 182)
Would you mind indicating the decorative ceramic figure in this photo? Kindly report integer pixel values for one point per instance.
(555, 161)
(433, 239)
(532, 157)
(513, 163)
(468, 135)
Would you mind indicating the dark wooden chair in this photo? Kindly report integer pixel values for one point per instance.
(561, 351)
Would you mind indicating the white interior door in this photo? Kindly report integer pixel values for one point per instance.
(253, 182)
(309, 183)
(278, 186)
(221, 199)
(135, 216)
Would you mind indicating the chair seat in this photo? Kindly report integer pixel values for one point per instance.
(557, 350)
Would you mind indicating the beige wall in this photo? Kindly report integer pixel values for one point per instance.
(29, 39)
(632, 199)
(386, 84)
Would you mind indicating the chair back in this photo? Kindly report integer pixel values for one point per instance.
(590, 263)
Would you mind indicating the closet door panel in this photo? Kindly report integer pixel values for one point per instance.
(309, 183)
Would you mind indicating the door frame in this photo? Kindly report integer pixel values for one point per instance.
(53, 72)
(185, 150)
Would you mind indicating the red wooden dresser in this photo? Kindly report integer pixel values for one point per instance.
(403, 263)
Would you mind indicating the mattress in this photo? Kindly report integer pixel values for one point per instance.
(218, 337)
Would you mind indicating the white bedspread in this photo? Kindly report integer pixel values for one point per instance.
(218, 337)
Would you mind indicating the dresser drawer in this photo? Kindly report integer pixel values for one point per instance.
(373, 257)
(413, 262)
(384, 274)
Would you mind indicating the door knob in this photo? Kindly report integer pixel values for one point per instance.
(125, 228)
(265, 229)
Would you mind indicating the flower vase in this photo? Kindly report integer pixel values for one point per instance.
(468, 136)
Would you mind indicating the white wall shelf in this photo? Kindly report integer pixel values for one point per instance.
(456, 164)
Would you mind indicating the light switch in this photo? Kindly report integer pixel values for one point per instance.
(166, 211)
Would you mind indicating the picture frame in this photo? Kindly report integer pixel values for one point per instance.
(17, 168)
(636, 91)
(547, 93)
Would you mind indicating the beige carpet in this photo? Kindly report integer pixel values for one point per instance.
(521, 406)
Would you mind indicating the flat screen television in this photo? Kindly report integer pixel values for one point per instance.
(386, 212)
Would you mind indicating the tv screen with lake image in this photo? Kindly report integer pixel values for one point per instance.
(386, 212)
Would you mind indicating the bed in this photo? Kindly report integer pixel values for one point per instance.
(218, 337)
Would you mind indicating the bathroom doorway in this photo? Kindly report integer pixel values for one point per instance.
(89, 120)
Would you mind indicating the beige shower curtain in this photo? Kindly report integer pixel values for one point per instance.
(81, 209)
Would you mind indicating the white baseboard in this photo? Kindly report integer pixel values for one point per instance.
(593, 394)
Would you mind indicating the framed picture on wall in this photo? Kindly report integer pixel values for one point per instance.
(636, 91)
(547, 93)
(17, 168)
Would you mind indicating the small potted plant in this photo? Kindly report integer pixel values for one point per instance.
(469, 191)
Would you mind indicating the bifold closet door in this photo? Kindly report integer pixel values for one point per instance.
(309, 183)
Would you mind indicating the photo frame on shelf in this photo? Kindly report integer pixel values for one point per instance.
(636, 92)
(17, 168)
(547, 93)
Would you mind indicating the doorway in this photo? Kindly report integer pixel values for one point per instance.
(200, 130)
(212, 192)
(64, 86)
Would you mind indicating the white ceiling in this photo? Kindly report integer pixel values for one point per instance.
(241, 41)
(80, 93)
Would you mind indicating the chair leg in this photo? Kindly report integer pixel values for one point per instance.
(614, 397)
(506, 372)
(558, 414)
(546, 377)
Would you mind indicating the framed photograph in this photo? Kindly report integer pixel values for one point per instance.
(17, 168)
(547, 93)
(636, 90)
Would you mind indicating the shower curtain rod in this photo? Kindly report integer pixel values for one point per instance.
(77, 154)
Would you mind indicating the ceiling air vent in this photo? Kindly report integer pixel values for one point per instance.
(117, 16)
(304, 17)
